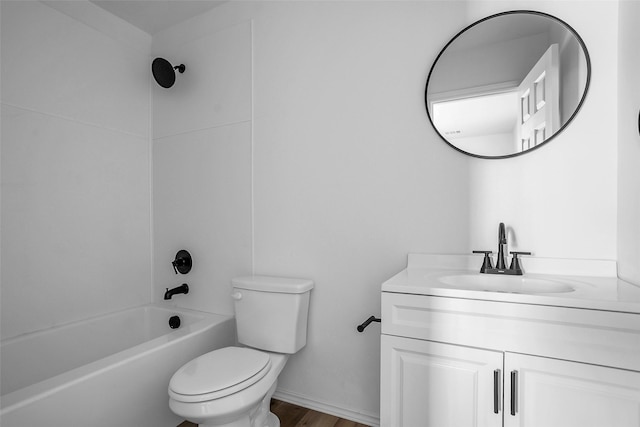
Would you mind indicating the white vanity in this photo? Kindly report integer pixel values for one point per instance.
(460, 348)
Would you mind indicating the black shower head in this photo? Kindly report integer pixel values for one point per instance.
(164, 72)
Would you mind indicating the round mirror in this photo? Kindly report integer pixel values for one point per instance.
(507, 84)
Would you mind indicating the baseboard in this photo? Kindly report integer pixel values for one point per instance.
(327, 408)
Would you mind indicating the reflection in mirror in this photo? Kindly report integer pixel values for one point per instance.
(507, 84)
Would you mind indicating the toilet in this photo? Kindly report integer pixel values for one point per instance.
(232, 386)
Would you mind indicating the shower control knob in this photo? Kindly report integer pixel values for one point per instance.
(183, 262)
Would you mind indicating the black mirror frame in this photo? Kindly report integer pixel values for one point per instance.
(569, 120)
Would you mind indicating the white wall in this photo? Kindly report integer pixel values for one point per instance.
(202, 166)
(348, 175)
(75, 165)
(559, 201)
(629, 143)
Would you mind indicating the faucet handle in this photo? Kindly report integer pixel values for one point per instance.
(486, 262)
(515, 262)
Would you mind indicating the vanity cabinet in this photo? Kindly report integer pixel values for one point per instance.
(552, 392)
(425, 383)
(463, 362)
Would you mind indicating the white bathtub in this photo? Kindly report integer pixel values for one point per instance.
(112, 370)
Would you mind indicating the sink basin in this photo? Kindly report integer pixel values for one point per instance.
(509, 284)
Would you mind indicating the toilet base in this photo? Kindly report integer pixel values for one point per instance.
(272, 420)
(261, 416)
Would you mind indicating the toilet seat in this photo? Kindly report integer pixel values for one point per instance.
(219, 373)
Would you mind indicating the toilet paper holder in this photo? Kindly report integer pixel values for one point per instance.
(367, 322)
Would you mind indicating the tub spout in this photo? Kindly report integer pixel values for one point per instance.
(182, 289)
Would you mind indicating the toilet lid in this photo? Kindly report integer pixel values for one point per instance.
(219, 370)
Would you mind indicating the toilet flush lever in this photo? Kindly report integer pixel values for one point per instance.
(236, 296)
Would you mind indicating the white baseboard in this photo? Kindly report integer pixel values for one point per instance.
(327, 408)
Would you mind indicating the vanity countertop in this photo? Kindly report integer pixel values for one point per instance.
(594, 282)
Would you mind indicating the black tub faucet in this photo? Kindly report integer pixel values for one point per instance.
(182, 289)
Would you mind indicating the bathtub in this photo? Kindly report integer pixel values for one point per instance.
(111, 370)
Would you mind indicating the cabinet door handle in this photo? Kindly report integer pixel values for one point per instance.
(496, 391)
(514, 392)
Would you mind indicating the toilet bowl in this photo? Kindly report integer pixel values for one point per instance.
(232, 386)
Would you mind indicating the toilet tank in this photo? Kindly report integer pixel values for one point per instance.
(271, 312)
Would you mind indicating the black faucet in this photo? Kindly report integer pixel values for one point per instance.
(502, 243)
(501, 266)
(182, 289)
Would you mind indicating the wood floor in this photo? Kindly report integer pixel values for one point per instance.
(296, 416)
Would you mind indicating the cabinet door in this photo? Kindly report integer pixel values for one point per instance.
(557, 393)
(428, 384)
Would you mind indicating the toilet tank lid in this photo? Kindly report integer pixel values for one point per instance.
(273, 284)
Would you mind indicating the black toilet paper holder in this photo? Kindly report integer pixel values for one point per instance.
(367, 322)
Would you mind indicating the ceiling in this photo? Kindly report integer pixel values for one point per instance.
(152, 16)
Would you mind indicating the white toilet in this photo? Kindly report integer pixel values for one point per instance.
(232, 386)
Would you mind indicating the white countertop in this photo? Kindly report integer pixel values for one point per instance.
(594, 282)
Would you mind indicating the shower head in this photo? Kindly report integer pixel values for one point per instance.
(164, 72)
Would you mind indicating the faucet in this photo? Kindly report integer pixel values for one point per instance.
(182, 289)
(502, 244)
(501, 266)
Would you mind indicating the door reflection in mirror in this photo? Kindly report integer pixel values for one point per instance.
(507, 84)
